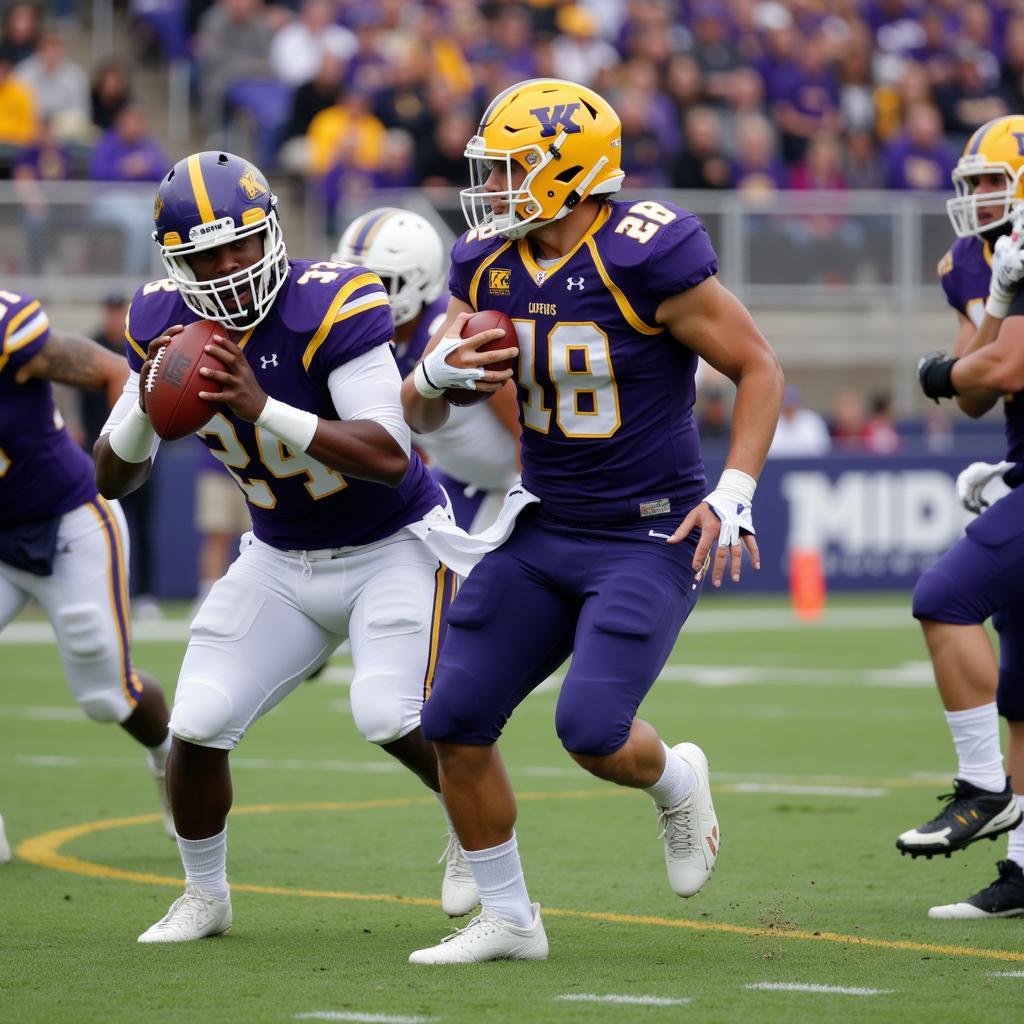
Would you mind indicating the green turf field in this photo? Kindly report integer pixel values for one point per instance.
(824, 743)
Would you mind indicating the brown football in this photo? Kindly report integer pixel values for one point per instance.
(485, 320)
(174, 382)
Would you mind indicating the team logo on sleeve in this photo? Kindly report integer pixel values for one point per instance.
(498, 282)
(251, 184)
(558, 116)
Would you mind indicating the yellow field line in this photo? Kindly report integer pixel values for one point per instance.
(44, 851)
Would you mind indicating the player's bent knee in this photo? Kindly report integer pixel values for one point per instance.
(380, 711)
(590, 738)
(934, 596)
(1010, 696)
(202, 714)
(104, 706)
(446, 718)
(85, 633)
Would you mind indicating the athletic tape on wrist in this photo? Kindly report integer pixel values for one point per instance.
(423, 383)
(132, 439)
(295, 427)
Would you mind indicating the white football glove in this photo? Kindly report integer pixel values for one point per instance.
(440, 374)
(981, 485)
(735, 512)
(1007, 269)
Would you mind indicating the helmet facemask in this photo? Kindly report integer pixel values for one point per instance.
(964, 208)
(263, 280)
(522, 208)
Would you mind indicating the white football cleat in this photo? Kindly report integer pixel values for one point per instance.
(487, 937)
(193, 915)
(459, 894)
(690, 829)
(160, 778)
(5, 847)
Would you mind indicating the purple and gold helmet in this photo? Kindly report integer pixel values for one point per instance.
(209, 199)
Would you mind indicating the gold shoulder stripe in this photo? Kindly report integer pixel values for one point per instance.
(620, 299)
(131, 341)
(18, 319)
(945, 264)
(36, 326)
(369, 304)
(329, 319)
(475, 283)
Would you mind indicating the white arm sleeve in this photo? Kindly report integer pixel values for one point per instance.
(369, 387)
(129, 397)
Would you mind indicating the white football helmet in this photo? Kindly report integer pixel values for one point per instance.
(404, 250)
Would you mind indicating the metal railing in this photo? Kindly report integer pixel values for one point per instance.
(843, 278)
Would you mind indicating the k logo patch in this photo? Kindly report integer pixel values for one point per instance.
(251, 184)
(498, 281)
(558, 116)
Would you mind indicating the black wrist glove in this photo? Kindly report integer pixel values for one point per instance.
(935, 372)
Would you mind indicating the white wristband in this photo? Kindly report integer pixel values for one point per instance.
(423, 386)
(132, 439)
(997, 308)
(295, 427)
(737, 484)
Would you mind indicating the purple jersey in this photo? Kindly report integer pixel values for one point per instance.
(606, 394)
(408, 354)
(325, 315)
(965, 272)
(43, 473)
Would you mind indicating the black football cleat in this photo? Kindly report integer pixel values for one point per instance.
(970, 814)
(1003, 898)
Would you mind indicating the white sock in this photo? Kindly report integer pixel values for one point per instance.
(677, 781)
(206, 863)
(976, 738)
(157, 756)
(499, 877)
(1016, 850)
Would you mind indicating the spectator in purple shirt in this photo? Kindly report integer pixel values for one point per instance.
(756, 169)
(920, 157)
(47, 159)
(128, 153)
(805, 98)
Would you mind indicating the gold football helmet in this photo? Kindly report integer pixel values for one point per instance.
(995, 148)
(567, 140)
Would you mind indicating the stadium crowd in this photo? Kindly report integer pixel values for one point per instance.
(755, 95)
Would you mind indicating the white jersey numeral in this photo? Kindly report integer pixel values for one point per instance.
(281, 462)
(580, 368)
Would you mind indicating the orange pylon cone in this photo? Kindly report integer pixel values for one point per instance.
(807, 583)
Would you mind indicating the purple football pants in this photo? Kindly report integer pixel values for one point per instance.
(982, 577)
(613, 597)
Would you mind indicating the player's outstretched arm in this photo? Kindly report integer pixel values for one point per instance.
(993, 371)
(79, 362)
(423, 401)
(712, 322)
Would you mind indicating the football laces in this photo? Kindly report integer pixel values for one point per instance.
(153, 368)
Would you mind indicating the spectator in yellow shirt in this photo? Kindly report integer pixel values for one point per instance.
(17, 113)
(345, 134)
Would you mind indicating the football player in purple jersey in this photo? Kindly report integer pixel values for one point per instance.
(613, 303)
(475, 455)
(309, 422)
(60, 542)
(982, 575)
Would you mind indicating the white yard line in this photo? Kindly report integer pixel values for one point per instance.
(727, 782)
(587, 997)
(43, 712)
(364, 1018)
(718, 620)
(836, 990)
(1006, 974)
(762, 787)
